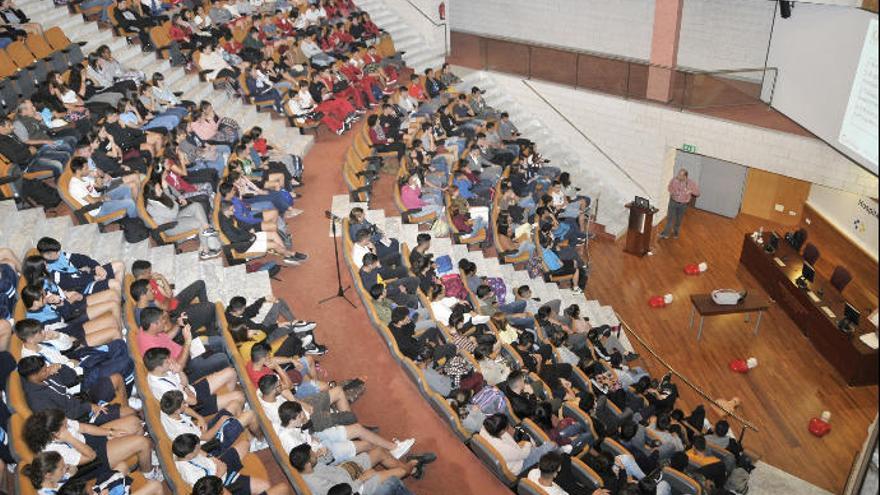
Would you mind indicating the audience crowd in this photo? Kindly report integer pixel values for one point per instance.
(535, 382)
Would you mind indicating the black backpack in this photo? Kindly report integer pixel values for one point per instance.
(41, 193)
(134, 230)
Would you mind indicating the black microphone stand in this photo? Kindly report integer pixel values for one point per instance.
(340, 291)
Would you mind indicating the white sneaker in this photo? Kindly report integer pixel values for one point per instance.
(402, 447)
(135, 403)
(258, 444)
(155, 474)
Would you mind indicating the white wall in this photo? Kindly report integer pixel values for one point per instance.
(616, 27)
(854, 215)
(639, 137)
(415, 20)
(725, 34)
(817, 52)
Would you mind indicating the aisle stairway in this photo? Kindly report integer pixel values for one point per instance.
(590, 170)
(420, 52)
(131, 56)
(393, 226)
(20, 231)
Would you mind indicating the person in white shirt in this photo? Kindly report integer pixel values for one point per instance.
(211, 60)
(51, 345)
(518, 456)
(84, 190)
(206, 396)
(178, 418)
(544, 475)
(81, 443)
(342, 443)
(442, 306)
(193, 464)
(268, 394)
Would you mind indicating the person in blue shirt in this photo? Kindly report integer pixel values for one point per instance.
(78, 272)
(93, 332)
(9, 267)
(69, 303)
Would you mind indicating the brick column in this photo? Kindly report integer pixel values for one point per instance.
(664, 48)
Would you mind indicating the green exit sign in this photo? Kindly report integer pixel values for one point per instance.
(689, 148)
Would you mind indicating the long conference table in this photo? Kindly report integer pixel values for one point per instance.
(856, 362)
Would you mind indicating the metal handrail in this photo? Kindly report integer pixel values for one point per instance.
(436, 24)
(746, 424)
(587, 138)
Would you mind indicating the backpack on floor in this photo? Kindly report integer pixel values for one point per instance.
(41, 193)
(134, 230)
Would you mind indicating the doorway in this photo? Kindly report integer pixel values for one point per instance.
(722, 183)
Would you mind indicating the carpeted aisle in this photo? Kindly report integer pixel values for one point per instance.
(392, 401)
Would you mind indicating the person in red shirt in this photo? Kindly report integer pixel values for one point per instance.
(415, 88)
(192, 300)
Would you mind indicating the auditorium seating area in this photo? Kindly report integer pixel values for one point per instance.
(151, 166)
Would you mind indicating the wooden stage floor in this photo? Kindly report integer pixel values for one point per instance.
(792, 382)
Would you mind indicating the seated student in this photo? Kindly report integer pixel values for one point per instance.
(80, 443)
(28, 159)
(43, 390)
(401, 290)
(519, 457)
(359, 473)
(390, 260)
(707, 463)
(8, 297)
(384, 246)
(83, 188)
(412, 345)
(191, 301)
(72, 302)
(165, 209)
(87, 366)
(50, 475)
(78, 272)
(193, 464)
(156, 330)
(338, 443)
(443, 306)
(239, 311)
(244, 240)
(217, 391)
(420, 250)
(324, 414)
(489, 303)
(263, 362)
(222, 431)
(92, 332)
(384, 307)
(415, 198)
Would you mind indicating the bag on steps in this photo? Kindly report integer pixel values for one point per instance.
(134, 230)
(40, 193)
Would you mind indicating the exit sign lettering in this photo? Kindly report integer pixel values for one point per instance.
(689, 148)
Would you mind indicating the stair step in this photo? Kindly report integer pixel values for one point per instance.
(81, 238)
(109, 247)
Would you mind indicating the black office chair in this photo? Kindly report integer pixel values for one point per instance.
(811, 253)
(840, 278)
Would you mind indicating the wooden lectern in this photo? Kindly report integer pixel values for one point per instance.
(638, 233)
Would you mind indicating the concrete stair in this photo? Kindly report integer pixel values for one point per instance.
(421, 53)
(276, 130)
(509, 94)
(20, 231)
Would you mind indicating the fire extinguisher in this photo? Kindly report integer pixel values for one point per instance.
(442, 10)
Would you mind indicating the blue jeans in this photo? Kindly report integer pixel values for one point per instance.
(120, 199)
(274, 200)
(90, 4)
(392, 486)
(513, 307)
(674, 216)
(579, 435)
